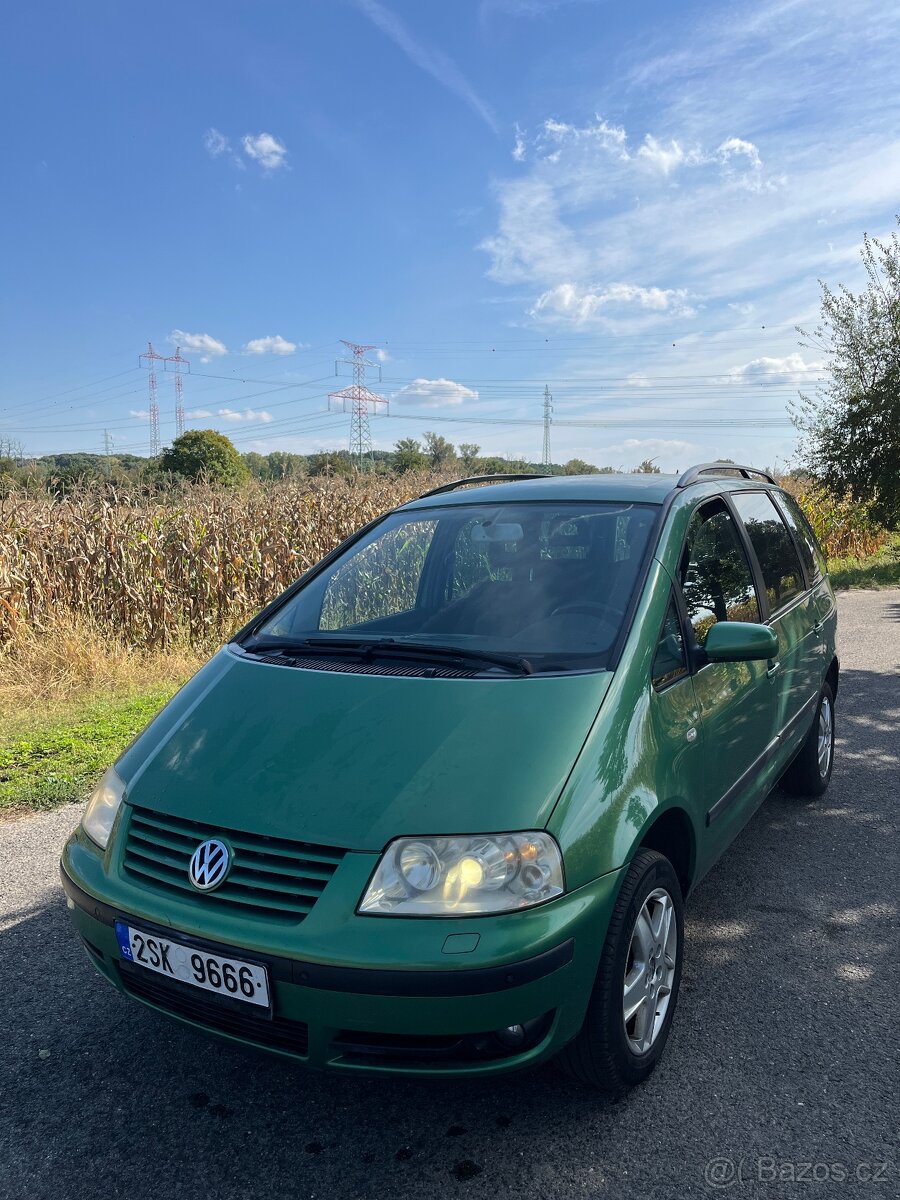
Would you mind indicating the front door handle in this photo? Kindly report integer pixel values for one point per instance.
(818, 627)
(773, 670)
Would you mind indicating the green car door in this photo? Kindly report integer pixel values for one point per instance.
(737, 701)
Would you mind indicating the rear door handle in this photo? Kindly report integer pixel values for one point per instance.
(818, 627)
(773, 670)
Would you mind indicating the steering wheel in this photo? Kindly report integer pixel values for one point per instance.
(588, 607)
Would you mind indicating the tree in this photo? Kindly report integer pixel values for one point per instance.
(647, 467)
(330, 462)
(204, 454)
(281, 463)
(851, 427)
(440, 452)
(577, 466)
(408, 456)
(468, 452)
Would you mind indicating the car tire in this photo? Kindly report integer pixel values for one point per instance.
(810, 772)
(607, 1054)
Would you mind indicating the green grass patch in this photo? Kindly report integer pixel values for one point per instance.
(876, 571)
(52, 760)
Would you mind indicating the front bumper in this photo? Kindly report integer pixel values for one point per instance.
(437, 1019)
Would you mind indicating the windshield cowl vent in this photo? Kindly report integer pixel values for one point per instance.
(354, 667)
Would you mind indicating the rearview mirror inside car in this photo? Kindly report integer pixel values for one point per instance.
(740, 641)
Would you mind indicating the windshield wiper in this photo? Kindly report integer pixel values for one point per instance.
(368, 647)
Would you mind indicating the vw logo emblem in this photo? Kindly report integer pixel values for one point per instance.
(209, 865)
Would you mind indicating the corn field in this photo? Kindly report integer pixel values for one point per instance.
(153, 571)
(843, 526)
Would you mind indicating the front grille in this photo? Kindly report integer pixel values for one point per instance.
(218, 1013)
(274, 877)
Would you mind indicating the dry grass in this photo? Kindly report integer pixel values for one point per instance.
(44, 674)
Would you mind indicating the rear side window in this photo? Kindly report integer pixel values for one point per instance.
(773, 546)
(810, 551)
(670, 660)
(715, 572)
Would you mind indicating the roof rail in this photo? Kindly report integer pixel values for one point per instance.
(692, 474)
(458, 483)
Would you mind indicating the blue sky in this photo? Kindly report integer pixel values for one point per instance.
(631, 203)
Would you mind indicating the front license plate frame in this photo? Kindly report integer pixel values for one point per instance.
(183, 960)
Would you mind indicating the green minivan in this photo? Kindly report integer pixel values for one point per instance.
(436, 809)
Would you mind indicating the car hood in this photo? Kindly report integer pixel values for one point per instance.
(354, 760)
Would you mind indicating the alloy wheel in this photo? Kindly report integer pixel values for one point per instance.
(826, 728)
(650, 971)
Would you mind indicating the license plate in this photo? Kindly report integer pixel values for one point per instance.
(224, 976)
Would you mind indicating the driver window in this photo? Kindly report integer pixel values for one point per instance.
(670, 660)
(715, 573)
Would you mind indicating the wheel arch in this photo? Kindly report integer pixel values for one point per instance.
(671, 833)
(832, 676)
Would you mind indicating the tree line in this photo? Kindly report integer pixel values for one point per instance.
(209, 455)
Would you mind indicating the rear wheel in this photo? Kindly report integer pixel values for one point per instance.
(633, 1002)
(810, 772)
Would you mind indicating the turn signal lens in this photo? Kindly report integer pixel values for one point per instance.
(464, 876)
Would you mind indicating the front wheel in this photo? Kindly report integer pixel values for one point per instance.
(810, 772)
(633, 1001)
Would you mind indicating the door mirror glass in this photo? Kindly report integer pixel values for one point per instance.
(740, 641)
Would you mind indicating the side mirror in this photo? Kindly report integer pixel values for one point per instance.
(740, 641)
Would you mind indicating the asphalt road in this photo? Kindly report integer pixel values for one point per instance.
(782, 1064)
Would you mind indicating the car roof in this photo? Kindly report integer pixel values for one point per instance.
(631, 489)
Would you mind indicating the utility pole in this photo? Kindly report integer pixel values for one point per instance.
(548, 410)
(152, 359)
(180, 361)
(359, 402)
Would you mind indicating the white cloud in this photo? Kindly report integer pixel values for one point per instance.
(215, 143)
(638, 379)
(518, 150)
(273, 344)
(745, 309)
(790, 369)
(665, 157)
(265, 149)
(203, 344)
(433, 62)
(382, 356)
(434, 393)
(532, 241)
(140, 413)
(249, 414)
(569, 302)
(735, 146)
(555, 134)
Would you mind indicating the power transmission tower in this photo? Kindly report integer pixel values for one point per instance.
(359, 402)
(107, 450)
(548, 410)
(152, 359)
(180, 361)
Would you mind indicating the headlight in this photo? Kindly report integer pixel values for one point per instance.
(103, 805)
(464, 876)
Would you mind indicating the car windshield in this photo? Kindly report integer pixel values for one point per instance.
(547, 583)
